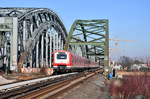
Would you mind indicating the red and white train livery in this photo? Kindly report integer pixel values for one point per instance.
(65, 60)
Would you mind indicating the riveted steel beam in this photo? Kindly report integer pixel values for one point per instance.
(91, 37)
(87, 43)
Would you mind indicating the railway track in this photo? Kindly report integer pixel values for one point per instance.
(46, 88)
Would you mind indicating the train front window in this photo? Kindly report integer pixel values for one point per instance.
(61, 55)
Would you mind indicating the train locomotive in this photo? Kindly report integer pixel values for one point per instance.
(65, 61)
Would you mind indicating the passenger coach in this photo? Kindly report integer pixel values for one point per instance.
(67, 61)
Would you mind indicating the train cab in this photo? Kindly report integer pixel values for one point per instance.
(61, 60)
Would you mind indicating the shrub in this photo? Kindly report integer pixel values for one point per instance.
(131, 86)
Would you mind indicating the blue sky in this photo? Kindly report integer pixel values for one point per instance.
(129, 19)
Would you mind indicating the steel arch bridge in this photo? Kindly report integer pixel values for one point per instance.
(28, 36)
(90, 39)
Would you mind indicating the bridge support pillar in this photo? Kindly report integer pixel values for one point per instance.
(37, 55)
(42, 49)
(54, 42)
(24, 33)
(50, 48)
(47, 50)
(59, 42)
(62, 45)
(14, 44)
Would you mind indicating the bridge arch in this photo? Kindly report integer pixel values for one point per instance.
(40, 32)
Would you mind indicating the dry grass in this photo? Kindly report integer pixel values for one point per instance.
(130, 87)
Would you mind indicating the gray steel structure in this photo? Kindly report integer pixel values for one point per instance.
(37, 31)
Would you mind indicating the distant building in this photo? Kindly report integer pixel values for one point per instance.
(117, 67)
(138, 66)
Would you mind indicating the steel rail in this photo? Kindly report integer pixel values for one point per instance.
(53, 90)
(18, 87)
(17, 84)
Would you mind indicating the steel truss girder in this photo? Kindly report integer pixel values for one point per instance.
(92, 37)
(37, 28)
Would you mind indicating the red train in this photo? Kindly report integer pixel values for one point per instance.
(67, 61)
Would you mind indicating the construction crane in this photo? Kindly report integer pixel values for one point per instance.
(112, 39)
(116, 49)
(118, 40)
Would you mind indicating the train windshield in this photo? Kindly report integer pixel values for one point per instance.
(61, 55)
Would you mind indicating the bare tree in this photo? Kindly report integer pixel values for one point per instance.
(147, 59)
(126, 61)
(138, 60)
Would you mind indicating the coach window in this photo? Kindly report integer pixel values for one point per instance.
(61, 56)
